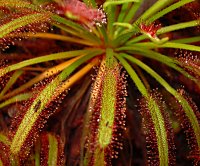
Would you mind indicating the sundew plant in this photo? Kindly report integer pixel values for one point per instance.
(126, 56)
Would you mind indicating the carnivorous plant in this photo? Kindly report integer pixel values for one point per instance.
(142, 59)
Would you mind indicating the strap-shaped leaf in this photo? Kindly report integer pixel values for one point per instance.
(151, 45)
(131, 13)
(169, 9)
(183, 102)
(46, 74)
(5, 156)
(155, 114)
(187, 40)
(18, 4)
(173, 63)
(105, 116)
(61, 55)
(5, 29)
(17, 98)
(51, 151)
(4, 139)
(12, 80)
(41, 102)
(153, 9)
(119, 2)
(79, 31)
(58, 37)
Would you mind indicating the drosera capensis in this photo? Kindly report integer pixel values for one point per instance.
(133, 52)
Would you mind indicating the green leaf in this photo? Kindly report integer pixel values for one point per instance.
(23, 21)
(58, 37)
(187, 108)
(12, 80)
(132, 11)
(187, 40)
(56, 56)
(169, 61)
(105, 103)
(50, 150)
(169, 9)
(37, 154)
(123, 12)
(78, 29)
(118, 2)
(151, 45)
(157, 118)
(160, 4)
(109, 91)
(110, 20)
(160, 130)
(53, 151)
(178, 26)
(44, 97)
(17, 98)
(19, 4)
(4, 139)
(126, 15)
(133, 75)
